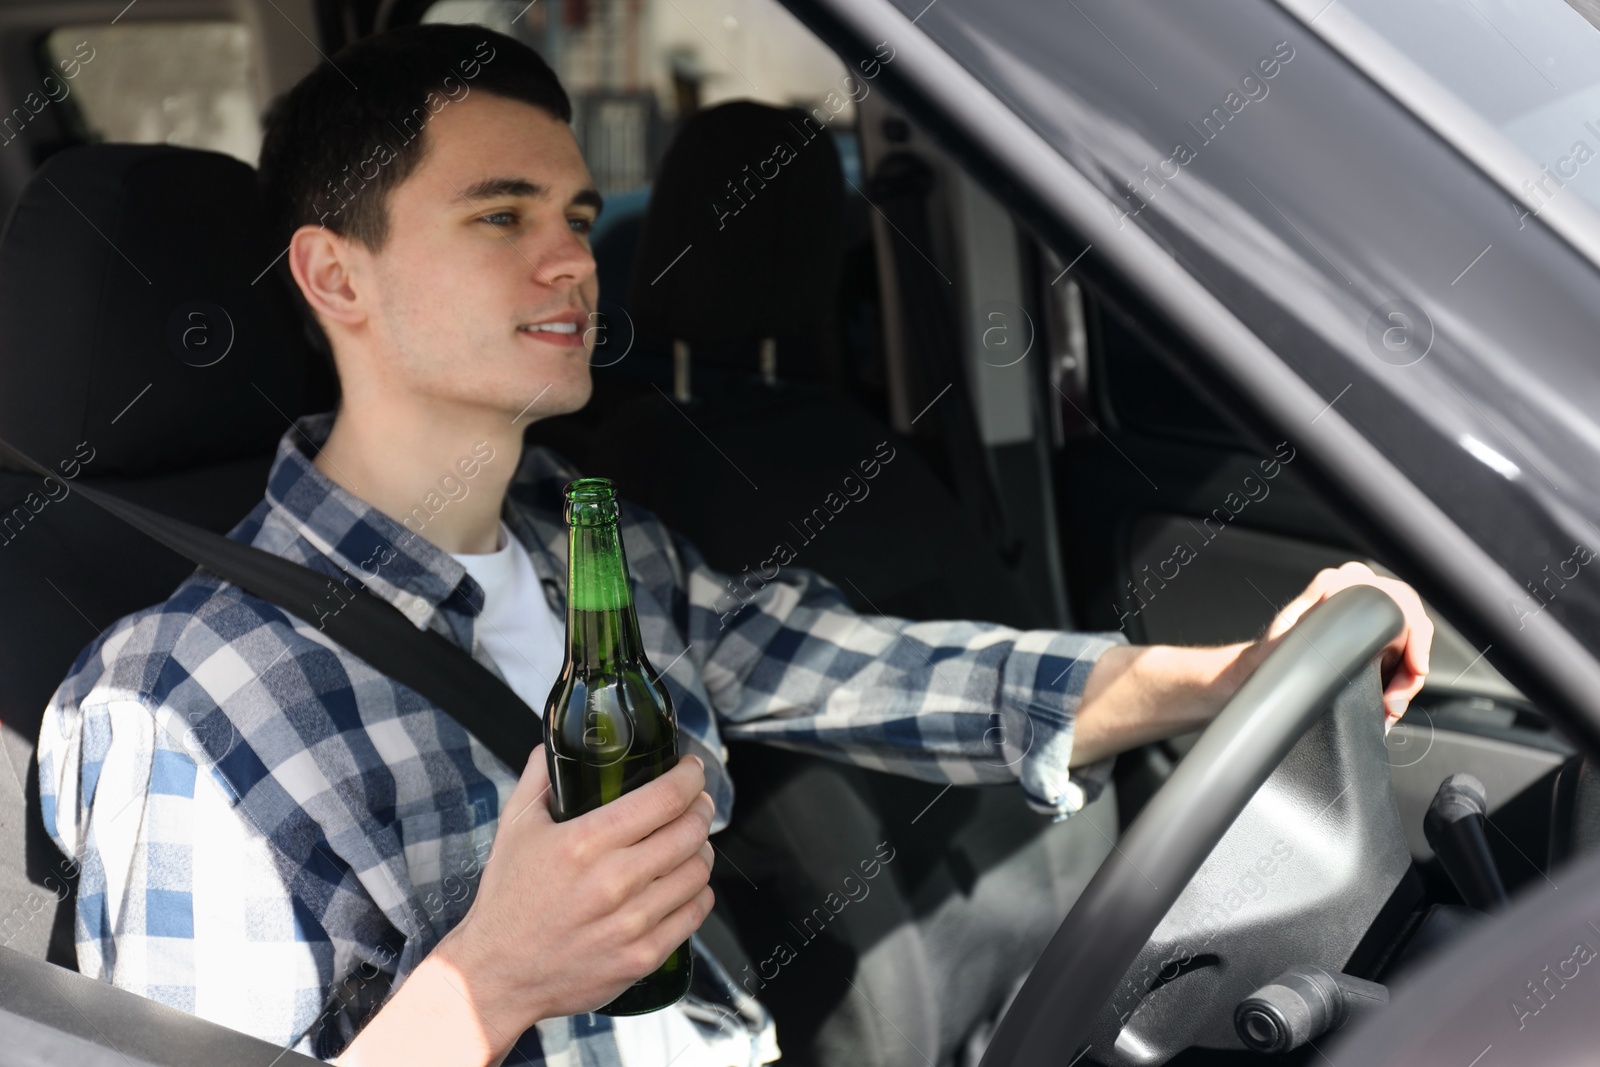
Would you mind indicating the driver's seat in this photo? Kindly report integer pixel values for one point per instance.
(147, 350)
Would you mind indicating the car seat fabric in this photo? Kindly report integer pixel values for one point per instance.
(770, 269)
(138, 315)
(752, 245)
(147, 349)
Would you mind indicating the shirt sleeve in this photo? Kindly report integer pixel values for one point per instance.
(790, 663)
(178, 898)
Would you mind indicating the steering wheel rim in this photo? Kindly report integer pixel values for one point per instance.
(1100, 938)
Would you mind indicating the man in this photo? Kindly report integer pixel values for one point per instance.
(278, 838)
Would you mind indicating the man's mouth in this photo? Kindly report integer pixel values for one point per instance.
(565, 330)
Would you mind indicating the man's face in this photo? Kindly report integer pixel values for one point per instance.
(483, 291)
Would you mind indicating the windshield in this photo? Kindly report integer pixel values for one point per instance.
(1530, 69)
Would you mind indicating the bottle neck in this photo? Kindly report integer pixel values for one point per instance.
(602, 626)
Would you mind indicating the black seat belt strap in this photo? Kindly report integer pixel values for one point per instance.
(372, 629)
(367, 626)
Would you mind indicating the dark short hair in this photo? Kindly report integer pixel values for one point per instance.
(350, 131)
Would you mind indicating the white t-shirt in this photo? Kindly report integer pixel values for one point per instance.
(527, 642)
(516, 627)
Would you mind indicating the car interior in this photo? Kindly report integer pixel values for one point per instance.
(1051, 452)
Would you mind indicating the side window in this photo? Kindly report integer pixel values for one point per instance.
(1143, 392)
(185, 83)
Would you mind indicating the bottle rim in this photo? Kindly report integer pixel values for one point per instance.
(591, 502)
(591, 486)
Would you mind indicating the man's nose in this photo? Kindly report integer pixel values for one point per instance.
(567, 259)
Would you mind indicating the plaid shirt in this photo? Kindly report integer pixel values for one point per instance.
(345, 818)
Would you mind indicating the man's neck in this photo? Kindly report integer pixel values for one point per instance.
(442, 474)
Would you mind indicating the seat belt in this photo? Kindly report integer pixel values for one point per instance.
(377, 632)
(368, 626)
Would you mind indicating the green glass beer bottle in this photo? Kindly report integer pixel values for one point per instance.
(609, 724)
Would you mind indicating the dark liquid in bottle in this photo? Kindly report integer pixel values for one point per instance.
(609, 731)
(577, 778)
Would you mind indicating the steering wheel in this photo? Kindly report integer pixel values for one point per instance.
(1275, 843)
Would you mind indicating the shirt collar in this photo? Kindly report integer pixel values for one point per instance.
(396, 562)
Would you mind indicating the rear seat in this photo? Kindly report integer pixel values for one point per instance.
(146, 349)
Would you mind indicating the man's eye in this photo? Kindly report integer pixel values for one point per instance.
(580, 224)
(508, 216)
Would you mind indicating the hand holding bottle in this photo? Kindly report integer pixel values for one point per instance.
(570, 914)
(609, 723)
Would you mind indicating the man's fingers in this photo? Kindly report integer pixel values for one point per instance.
(1402, 686)
(1406, 659)
(527, 800)
(669, 892)
(672, 844)
(1415, 642)
(1417, 638)
(640, 812)
(675, 929)
(1421, 644)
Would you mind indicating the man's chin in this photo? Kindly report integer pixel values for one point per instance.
(561, 397)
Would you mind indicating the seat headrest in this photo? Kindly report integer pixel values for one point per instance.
(755, 194)
(138, 313)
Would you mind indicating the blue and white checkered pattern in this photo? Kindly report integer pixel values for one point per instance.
(272, 834)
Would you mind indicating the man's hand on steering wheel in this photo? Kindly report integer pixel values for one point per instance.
(1141, 693)
(1405, 659)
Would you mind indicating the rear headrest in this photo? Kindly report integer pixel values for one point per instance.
(745, 230)
(138, 314)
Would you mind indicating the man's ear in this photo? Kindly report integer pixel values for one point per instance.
(323, 264)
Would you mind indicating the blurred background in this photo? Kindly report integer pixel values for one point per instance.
(635, 69)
